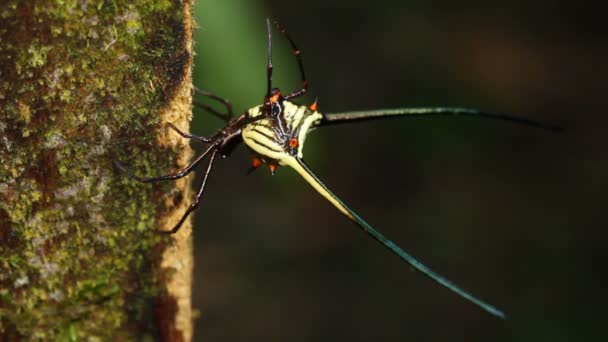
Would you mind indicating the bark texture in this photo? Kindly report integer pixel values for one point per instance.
(83, 83)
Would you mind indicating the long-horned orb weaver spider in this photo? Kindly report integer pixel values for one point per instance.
(275, 132)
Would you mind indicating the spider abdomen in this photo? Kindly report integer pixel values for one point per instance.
(275, 138)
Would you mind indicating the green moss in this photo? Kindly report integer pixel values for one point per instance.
(79, 238)
(24, 112)
(38, 55)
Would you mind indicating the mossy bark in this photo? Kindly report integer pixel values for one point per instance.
(83, 83)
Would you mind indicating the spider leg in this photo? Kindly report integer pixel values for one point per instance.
(190, 136)
(224, 116)
(268, 67)
(211, 149)
(298, 53)
(209, 109)
(197, 199)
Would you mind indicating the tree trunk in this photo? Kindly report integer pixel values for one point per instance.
(82, 84)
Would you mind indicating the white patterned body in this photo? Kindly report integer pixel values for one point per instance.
(272, 137)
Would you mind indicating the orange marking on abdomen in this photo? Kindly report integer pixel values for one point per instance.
(293, 143)
(313, 106)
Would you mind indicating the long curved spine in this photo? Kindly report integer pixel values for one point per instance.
(366, 115)
(301, 167)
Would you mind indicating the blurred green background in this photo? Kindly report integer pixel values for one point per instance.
(513, 214)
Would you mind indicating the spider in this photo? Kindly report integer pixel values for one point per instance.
(275, 132)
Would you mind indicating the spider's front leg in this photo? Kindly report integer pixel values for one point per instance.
(199, 194)
(211, 149)
(229, 114)
(205, 140)
(298, 54)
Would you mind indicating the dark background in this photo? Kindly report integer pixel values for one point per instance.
(515, 215)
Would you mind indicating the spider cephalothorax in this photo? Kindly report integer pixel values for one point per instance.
(275, 132)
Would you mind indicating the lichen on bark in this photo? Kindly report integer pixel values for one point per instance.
(83, 83)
